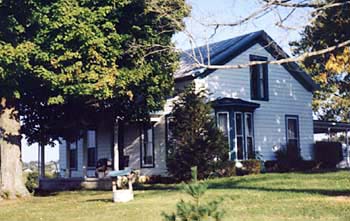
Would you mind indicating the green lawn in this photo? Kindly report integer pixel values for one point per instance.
(290, 196)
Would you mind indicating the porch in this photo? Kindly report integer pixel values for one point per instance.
(75, 183)
(332, 130)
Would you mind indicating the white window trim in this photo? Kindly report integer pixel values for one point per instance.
(228, 129)
(296, 118)
(246, 130)
(143, 143)
(243, 139)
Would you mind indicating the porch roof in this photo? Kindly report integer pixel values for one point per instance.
(321, 126)
(235, 103)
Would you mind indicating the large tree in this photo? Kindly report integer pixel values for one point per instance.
(331, 27)
(63, 61)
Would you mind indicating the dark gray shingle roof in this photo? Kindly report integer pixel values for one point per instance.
(223, 51)
(216, 50)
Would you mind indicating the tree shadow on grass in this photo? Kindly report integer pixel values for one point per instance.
(101, 200)
(42, 193)
(246, 184)
(168, 187)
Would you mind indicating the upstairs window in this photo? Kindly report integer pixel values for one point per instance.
(259, 79)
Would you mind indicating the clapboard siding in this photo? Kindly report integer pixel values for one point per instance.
(104, 139)
(132, 148)
(62, 148)
(286, 97)
(78, 172)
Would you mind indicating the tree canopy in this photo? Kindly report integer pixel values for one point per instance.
(65, 59)
(65, 62)
(331, 70)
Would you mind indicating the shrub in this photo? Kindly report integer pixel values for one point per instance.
(196, 210)
(282, 160)
(304, 165)
(288, 158)
(195, 138)
(271, 166)
(32, 181)
(249, 167)
(227, 169)
(329, 154)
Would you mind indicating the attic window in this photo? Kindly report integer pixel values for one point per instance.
(259, 79)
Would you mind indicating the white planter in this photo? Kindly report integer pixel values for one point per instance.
(122, 196)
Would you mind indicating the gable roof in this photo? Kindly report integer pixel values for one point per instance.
(222, 52)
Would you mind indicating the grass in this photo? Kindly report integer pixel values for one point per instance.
(289, 196)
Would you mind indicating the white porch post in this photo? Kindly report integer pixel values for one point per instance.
(115, 146)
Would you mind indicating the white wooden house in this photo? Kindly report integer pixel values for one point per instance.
(258, 108)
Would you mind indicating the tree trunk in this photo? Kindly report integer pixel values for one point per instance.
(11, 179)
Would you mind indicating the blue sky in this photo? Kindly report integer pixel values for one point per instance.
(209, 11)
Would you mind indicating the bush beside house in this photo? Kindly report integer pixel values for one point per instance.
(195, 139)
(328, 154)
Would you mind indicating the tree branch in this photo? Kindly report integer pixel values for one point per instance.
(279, 61)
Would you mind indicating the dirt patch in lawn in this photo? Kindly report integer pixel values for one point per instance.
(341, 199)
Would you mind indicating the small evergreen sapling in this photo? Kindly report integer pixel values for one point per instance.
(196, 210)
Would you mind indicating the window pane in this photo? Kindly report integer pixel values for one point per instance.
(147, 150)
(239, 128)
(91, 144)
(261, 89)
(240, 148)
(254, 81)
(223, 123)
(73, 159)
(170, 142)
(170, 126)
(260, 71)
(91, 138)
(249, 124)
(73, 145)
(292, 129)
(149, 135)
(250, 149)
(292, 136)
(91, 157)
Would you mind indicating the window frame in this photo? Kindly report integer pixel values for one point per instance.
(227, 113)
(257, 95)
(228, 121)
(143, 132)
(246, 135)
(70, 155)
(293, 117)
(168, 117)
(242, 135)
(87, 148)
